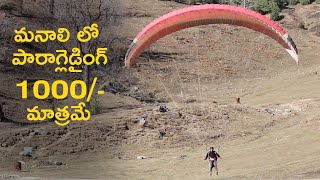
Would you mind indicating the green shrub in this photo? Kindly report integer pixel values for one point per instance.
(262, 6)
(302, 25)
(275, 11)
(235, 2)
(293, 2)
(304, 2)
(318, 1)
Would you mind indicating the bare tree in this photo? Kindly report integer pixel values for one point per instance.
(51, 8)
(74, 15)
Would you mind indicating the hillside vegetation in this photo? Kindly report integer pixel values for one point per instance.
(262, 6)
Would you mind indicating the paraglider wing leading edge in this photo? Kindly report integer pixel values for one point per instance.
(203, 15)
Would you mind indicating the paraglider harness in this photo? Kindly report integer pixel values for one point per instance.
(212, 156)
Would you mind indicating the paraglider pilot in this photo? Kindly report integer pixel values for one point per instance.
(213, 158)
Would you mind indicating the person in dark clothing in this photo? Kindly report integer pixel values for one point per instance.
(213, 158)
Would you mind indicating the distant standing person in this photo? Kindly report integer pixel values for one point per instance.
(213, 158)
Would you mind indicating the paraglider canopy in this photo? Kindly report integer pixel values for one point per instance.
(208, 14)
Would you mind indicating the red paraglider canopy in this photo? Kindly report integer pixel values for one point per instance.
(208, 14)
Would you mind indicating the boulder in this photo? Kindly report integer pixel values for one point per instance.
(41, 131)
(141, 157)
(162, 132)
(27, 151)
(143, 122)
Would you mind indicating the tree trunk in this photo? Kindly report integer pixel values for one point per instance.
(86, 79)
(51, 8)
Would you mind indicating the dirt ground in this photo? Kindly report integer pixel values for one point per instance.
(272, 134)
